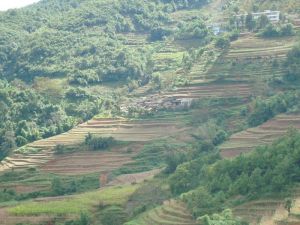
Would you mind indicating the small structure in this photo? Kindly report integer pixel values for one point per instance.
(273, 16)
(216, 28)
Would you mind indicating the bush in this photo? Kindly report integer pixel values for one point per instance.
(159, 33)
(113, 215)
(99, 143)
(59, 149)
(264, 110)
(84, 220)
(223, 43)
(293, 64)
(277, 31)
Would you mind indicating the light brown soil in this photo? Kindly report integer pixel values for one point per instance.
(89, 162)
(247, 140)
(133, 178)
(7, 219)
(22, 188)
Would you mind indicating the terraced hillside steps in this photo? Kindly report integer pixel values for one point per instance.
(249, 47)
(172, 212)
(256, 212)
(266, 133)
(25, 161)
(271, 211)
(121, 129)
(90, 162)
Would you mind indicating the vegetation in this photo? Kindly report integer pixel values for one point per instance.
(27, 115)
(293, 64)
(225, 217)
(77, 204)
(99, 143)
(263, 110)
(269, 169)
(160, 76)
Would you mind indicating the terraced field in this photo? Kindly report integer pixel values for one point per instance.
(172, 212)
(251, 47)
(120, 129)
(271, 211)
(7, 219)
(258, 212)
(247, 140)
(134, 178)
(90, 162)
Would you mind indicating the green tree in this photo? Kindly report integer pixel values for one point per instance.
(250, 22)
(57, 187)
(293, 64)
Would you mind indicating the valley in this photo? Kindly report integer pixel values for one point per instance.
(176, 107)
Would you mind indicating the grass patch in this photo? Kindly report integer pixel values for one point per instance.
(77, 204)
(27, 150)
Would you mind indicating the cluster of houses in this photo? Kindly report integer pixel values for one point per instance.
(156, 102)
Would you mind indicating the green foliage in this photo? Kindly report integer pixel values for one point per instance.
(195, 28)
(186, 176)
(150, 194)
(293, 64)
(250, 22)
(288, 204)
(83, 220)
(159, 33)
(81, 44)
(263, 110)
(59, 149)
(7, 195)
(27, 115)
(184, 4)
(269, 169)
(99, 143)
(56, 187)
(113, 215)
(222, 43)
(277, 30)
(223, 218)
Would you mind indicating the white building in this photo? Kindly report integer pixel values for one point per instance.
(273, 16)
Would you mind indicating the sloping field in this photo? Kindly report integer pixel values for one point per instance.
(247, 140)
(6, 219)
(133, 178)
(22, 161)
(120, 129)
(44, 210)
(90, 162)
(252, 47)
(271, 211)
(212, 91)
(170, 213)
(256, 212)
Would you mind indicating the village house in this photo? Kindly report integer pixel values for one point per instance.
(273, 16)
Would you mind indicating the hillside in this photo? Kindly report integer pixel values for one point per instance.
(159, 112)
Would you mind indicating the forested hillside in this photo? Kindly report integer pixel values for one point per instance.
(51, 48)
(158, 112)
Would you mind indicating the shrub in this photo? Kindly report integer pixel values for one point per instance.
(277, 31)
(159, 33)
(223, 43)
(293, 64)
(113, 215)
(99, 143)
(59, 149)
